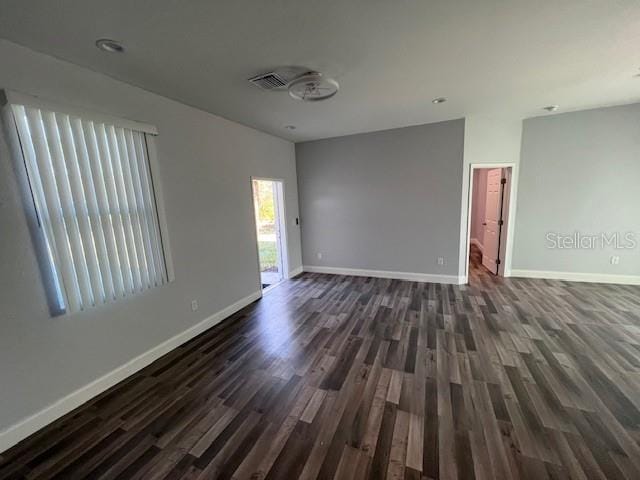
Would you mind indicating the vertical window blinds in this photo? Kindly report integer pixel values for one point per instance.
(93, 192)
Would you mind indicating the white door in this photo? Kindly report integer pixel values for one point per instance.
(491, 223)
(277, 200)
(268, 200)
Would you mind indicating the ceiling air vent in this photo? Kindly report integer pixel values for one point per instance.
(268, 81)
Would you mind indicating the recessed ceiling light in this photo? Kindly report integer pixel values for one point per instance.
(551, 108)
(290, 127)
(110, 46)
(439, 100)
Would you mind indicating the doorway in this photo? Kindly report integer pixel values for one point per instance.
(490, 201)
(268, 203)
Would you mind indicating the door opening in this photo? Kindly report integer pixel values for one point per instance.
(489, 214)
(268, 203)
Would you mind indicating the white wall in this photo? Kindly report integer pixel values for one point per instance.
(492, 141)
(205, 168)
(478, 204)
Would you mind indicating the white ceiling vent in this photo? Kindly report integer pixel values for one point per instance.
(302, 83)
(269, 81)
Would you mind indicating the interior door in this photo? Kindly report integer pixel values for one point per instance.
(491, 223)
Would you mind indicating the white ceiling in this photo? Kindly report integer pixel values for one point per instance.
(391, 57)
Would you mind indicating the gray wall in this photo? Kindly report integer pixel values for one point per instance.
(386, 200)
(205, 168)
(579, 172)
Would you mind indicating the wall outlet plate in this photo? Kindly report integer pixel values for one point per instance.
(194, 305)
(319, 255)
(440, 260)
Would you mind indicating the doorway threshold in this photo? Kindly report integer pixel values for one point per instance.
(268, 288)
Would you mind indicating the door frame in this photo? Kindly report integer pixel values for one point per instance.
(282, 221)
(510, 223)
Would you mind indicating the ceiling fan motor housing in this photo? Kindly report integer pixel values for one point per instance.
(313, 87)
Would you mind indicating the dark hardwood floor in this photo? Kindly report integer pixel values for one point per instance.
(347, 377)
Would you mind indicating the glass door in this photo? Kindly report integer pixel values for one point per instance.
(266, 201)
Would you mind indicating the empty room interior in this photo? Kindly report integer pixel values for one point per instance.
(320, 240)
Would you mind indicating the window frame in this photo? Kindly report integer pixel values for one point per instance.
(8, 98)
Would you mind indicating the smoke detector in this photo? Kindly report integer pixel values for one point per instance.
(313, 87)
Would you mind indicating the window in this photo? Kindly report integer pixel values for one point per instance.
(95, 205)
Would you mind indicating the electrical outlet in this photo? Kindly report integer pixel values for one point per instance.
(615, 260)
(440, 260)
(319, 255)
(194, 305)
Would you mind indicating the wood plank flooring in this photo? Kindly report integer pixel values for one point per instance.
(355, 378)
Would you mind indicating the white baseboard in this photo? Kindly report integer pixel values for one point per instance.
(578, 277)
(35, 422)
(413, 277)
(476, 242)
(295, 271)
